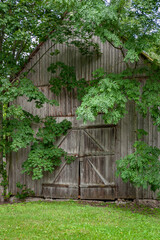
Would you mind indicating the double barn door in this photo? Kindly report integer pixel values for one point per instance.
(91, 175)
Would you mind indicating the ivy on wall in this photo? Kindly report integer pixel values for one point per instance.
(45, 155)
(66, 79)
(18, 133)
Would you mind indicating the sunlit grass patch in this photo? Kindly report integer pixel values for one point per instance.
(71, 220)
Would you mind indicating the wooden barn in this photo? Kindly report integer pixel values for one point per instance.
(96, 145)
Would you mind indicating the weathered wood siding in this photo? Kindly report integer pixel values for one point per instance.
(110, 59)
(97, 146)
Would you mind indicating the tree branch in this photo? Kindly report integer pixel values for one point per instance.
(14, 47)
(119, 48)
(19, 74)
(18, 77)
(20, 49)
(124, 57)
(2, 37)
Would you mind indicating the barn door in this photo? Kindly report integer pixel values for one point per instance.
(65, 181)
(91, 175)
(97, 163)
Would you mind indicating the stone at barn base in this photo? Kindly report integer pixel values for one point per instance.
(146, 202)
(13, 200)
(149, 203)
(34, 199)
(122, 201)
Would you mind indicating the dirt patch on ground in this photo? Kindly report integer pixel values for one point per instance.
(146, 207)
(2, 203)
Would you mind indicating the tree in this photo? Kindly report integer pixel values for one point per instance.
(142, 167)
(23, 25)
(127, 25)
(134, 26)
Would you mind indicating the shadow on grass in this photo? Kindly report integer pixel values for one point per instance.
(132, 207)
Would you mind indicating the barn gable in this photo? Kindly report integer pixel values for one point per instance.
(96, 146)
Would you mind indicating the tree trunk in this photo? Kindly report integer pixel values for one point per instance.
(135, 139)
(1, 135)
(137, 196)
(1, 104)
(1, 151)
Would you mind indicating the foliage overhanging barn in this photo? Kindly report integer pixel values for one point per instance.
(95, 145)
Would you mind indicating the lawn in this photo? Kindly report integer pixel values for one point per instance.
(74, 220)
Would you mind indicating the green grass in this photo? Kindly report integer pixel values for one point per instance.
(71, 220)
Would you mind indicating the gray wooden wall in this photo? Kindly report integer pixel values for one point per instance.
(111, 60)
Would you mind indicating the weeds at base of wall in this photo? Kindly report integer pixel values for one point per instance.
(4, 183)
(24, 191)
